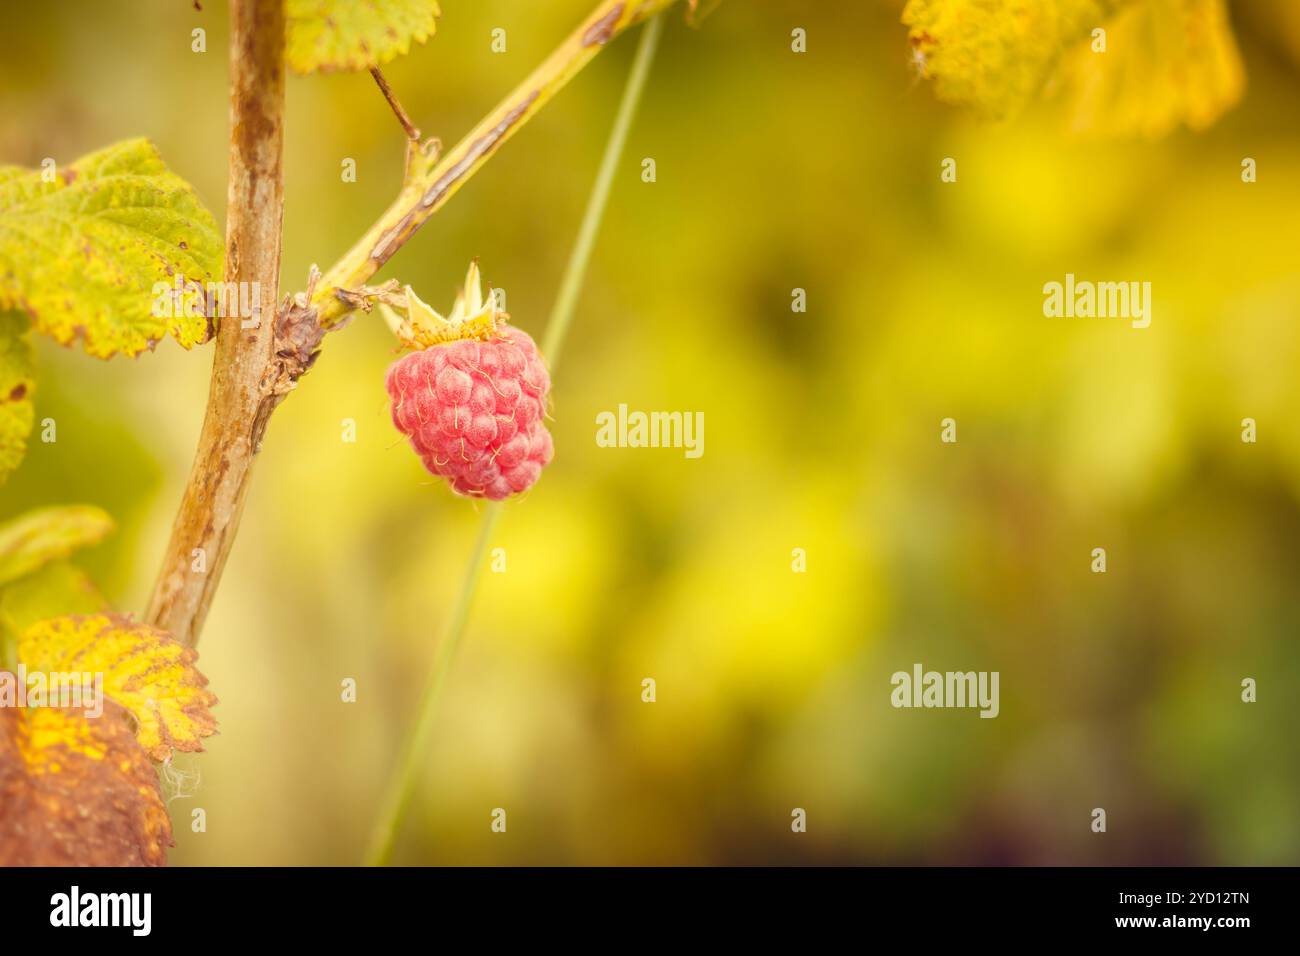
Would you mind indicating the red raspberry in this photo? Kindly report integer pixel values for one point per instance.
(473, 411)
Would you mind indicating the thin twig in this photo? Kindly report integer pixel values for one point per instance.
(412, 758)
(412, 133)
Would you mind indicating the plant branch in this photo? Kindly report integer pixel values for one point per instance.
(414, 150)
(424, 194)
(254, 369)
(242, 394)
(412, 133)
(411, 760)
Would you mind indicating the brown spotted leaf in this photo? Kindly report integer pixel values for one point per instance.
(144, 670)
(77, 790)
(95, 251)
(15, 390)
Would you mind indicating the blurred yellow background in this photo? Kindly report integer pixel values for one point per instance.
(775, 171)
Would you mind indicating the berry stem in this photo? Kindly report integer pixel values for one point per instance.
(412, 759)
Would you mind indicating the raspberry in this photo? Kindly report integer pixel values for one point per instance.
(472, 401)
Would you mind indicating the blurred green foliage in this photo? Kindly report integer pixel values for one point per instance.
(775, 171)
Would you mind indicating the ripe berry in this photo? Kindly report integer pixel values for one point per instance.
(473, 398)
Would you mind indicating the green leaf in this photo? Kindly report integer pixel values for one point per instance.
(54, 590)
(38, 537)
(93, 253)
(347, 35)
(15, 390)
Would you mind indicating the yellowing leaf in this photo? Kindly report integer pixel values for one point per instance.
(76, 784)
(995, 55)
(332, 35)
(47, 534)
(144, 670)
(95, 253)
(15, 390)
(1164, 62)
(77, 790)
(1167, 62)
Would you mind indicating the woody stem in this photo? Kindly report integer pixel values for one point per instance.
(240, 396)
